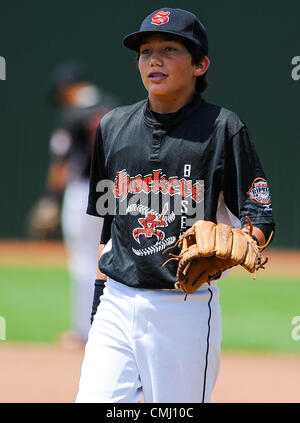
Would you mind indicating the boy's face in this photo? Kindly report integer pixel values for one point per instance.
(166, 67)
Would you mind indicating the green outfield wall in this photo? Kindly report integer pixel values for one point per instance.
(254, 48)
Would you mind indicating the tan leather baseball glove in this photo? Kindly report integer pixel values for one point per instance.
(43, 220)
(208, 249)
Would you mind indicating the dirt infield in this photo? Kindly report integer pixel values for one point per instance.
(50, 373)
(32, 254)
(53, 254)
(33, 373)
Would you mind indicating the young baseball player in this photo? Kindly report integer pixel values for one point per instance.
(80, 105)
(172, 148)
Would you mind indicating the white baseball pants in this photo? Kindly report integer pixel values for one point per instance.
(82, 234)
(154, 344)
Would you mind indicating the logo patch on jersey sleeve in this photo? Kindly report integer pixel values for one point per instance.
(259, 191)
(160, 18)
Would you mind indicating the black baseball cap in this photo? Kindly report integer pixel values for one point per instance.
(170, 21)
(65, 74)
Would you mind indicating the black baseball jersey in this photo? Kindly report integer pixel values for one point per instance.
(74, 137)
(199, 158)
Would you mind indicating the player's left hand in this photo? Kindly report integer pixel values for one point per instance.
(44, 219)
(208, 249)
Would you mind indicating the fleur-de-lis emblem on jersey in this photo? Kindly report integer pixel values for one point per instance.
(149, 225)
(160, 17)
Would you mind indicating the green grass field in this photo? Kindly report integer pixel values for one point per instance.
(35, 303)
(256, 314)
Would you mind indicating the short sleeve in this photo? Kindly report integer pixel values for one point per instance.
(246, 189)
(97, 173)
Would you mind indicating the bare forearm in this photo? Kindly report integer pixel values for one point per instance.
(100, 275)
(57, 177)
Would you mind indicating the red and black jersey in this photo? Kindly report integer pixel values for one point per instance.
(162, 170)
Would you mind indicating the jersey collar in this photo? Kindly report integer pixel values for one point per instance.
(168, 121)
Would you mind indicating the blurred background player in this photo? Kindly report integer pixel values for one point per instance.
(61, 212)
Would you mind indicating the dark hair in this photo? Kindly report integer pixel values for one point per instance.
(64, 75)
(195, 52)
(197, 56)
